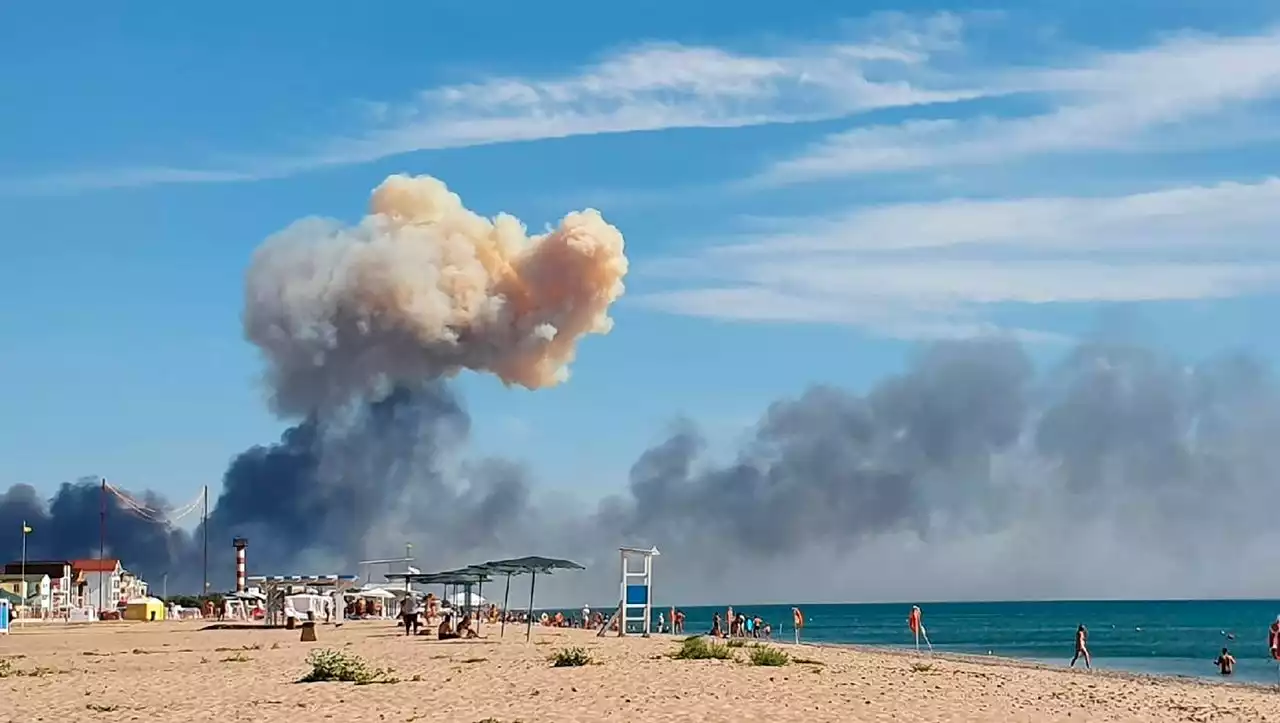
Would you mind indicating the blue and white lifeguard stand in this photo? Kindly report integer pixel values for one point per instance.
(636, 601)
(6, 614)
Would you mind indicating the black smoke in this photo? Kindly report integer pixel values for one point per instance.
(1117, 472)
(332, 491)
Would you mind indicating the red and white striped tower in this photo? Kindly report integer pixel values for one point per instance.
(241, 576)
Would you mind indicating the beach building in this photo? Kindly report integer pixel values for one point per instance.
(132, 587)
(34, 590)
(61, 579)
(98, 583)
(144, 608)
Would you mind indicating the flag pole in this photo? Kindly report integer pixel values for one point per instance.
(102, 544)
(25, 592)
(204, 531)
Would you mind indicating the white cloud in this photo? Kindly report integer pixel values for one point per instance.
(933, 268)
(1235, 214)
(1109, 101)
(652, 87)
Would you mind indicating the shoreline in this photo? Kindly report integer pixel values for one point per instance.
(178, 673)
(1005, 661)
(1034, 664)
(999, 661)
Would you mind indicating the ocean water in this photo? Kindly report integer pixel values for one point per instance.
(1159, 637)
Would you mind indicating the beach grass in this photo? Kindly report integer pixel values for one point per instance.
(698, 648)
(768, 656)
(570, 658)
(336, 666)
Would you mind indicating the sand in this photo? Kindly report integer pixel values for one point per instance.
(177, 672)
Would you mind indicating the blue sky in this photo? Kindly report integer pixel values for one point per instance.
(808, 191)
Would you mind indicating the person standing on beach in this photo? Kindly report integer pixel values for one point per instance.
(409, 614)
(1226, 662)
(1273, 639)
(715, 625)
(1082, 648)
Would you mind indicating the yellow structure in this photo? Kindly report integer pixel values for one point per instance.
(145, 608)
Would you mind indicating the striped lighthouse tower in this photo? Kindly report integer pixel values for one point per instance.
(240, 544)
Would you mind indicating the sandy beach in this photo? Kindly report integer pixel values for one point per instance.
(178, 672)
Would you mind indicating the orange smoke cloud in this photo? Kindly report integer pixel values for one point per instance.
(421, 288)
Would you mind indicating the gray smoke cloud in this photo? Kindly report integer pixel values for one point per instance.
(1118, 473)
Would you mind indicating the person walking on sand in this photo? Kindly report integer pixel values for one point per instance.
(1082, 648)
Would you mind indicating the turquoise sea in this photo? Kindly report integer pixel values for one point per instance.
(1160, 637)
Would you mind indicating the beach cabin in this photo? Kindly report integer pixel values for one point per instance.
(147, 609)
(33, 590)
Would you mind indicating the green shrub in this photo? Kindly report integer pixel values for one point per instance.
(764, 655)
(570, 658)
(737, 643)
(697, 648)
(337, 666)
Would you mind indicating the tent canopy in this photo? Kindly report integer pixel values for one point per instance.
(462, 600)
(375, 592)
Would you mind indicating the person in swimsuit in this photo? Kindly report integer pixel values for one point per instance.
(1082, 648)
(1226, 662)
(715, 625)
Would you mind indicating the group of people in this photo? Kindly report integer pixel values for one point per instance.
(452, 625)
(739, 625)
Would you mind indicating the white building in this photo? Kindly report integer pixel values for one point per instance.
(98, 583)
(61, 579)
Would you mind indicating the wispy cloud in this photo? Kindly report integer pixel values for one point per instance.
(1106, 102)
(934, 268)
(652, 87)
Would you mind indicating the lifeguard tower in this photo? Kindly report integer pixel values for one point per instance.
(635, 602)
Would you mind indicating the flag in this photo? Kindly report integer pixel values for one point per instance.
(26, 530)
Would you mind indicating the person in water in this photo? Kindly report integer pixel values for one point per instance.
(1082, 648)
(1226, 662)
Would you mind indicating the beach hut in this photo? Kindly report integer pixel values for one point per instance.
(144, 608)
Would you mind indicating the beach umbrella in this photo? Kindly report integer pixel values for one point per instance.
(532, 565)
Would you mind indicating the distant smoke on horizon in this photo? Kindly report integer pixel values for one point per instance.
(1117, 473)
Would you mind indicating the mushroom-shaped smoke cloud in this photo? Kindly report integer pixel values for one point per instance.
(421, 288)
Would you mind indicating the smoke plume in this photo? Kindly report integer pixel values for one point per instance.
(1118, 472)
(358, 326)
(420, 289)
